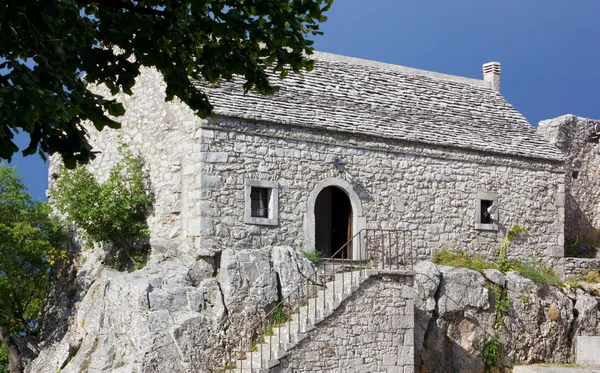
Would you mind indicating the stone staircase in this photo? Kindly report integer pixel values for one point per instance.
(380, 252)
(285, 336)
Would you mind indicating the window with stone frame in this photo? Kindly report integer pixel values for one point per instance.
(261, 202)
(486, 211)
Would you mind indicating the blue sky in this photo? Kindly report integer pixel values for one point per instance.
(549, 50)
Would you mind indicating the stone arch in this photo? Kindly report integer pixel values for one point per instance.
(358, 219)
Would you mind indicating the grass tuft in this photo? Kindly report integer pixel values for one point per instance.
(537, 272)
(460, 258)
(592, 277)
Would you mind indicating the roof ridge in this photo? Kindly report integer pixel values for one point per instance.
(399, 68)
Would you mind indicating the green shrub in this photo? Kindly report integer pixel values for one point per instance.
(316, 257)
(113, 213)
(502, 263)
(280, 315)
(3, 358)
(491, 351)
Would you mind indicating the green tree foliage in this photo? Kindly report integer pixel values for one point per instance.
(3, 358)
(185, 40)
(29, 245)
(113, 212)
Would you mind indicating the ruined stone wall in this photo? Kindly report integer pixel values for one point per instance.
(578, 140)
(197, 170)
(578, 267)
(371, 332)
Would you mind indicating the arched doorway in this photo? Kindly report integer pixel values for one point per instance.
(333, 222)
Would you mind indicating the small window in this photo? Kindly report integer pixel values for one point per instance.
(575, 174)
(486, 211)
(259, 202)
(485, 216)
(262, 202)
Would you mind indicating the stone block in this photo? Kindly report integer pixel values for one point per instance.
(209, 181)
(587, 351)
(215, 157)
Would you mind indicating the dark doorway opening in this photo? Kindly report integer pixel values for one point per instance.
(333, 222)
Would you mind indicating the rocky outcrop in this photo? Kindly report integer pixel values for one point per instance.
(456, 311)
(179, 314)
(175, 315)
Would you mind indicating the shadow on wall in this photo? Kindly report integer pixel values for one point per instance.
(578, 227)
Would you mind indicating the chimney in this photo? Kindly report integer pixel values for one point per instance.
(491, 73)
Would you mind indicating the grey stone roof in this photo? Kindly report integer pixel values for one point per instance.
(365, 97)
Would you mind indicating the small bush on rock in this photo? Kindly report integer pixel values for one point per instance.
(316, 257)
(491, 352)
(113, 213)
(460, 258)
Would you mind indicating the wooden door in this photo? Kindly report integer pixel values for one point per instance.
(323, 217)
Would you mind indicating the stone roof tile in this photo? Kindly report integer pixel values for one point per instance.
(390, 101)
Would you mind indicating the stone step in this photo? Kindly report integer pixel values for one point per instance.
(285, 336)
(587, 351)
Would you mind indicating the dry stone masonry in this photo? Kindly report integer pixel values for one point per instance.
(372, 331)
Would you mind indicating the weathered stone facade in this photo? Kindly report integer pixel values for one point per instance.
(372, 331)
(198, 169)
(578, 139)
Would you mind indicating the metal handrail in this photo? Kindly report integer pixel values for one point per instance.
(370, 255)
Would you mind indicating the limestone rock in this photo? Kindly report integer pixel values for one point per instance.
(461, 289)
(248, 281)
(495, 276)
(540, 324)
(292, 268)
(459, 325)
(587, 311)
(427, 281)
(152, 320)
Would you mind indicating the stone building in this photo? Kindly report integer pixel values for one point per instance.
(352, 145)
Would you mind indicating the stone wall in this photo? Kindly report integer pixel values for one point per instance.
(197, 169)
(431, 192)
(578, 267)
(371, 332)
(578, 140)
